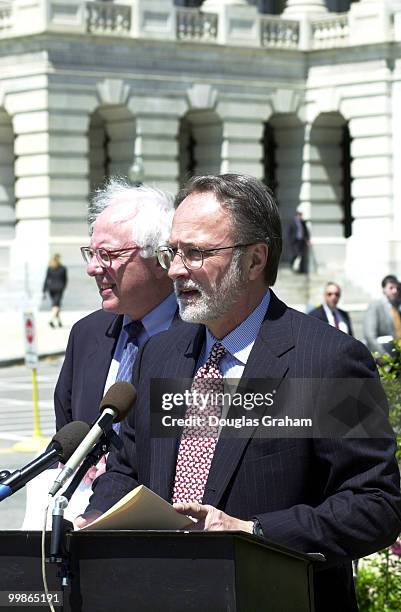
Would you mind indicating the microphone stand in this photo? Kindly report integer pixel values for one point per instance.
(59, 525)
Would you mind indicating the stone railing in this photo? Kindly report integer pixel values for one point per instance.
(279, 33)
(197, 26)
(235, 25)
(5, 16)
(107, 18)
(330, 32)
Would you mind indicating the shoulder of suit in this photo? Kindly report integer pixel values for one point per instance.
(97, 320)
(377, 304)
(178, 331)
(316, 311)
(307, 323)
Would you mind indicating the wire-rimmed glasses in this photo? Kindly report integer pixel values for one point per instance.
(192, 257)
(104, 256)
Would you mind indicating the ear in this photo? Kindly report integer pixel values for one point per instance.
(258, 257)
(158, 271)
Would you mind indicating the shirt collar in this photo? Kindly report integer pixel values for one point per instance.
(159, 319)
(239, 341)
(327, 309)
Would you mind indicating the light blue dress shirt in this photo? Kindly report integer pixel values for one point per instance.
(238, 343)
(157, 320)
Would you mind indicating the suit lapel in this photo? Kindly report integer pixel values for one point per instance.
(99, 359)
(324, 315)
(267, 360)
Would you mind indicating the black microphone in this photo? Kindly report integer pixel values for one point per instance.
(114, 407)
(61, 447)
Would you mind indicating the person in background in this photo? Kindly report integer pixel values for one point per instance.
(382, 322)
(330, 313)
(299, 238)
(55, 284)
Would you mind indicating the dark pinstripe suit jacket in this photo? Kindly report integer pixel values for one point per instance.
(340, 497)
(89, 352)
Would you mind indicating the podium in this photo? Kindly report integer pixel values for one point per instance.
(147, 571)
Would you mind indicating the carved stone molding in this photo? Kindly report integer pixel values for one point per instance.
(113, 91)
(286, 101)
(202, 96)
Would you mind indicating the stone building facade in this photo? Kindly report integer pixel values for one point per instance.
(305, 94)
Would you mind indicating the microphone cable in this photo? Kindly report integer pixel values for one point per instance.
(43, 559)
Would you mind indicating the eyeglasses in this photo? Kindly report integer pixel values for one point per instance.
(104, 256)
(192, 257)
(332, 293)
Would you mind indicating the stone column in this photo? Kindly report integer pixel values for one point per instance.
(321, 193)
(368, 249)
(299, 8)
(7, 199)
(289, 135)
(51, 188)
(156, 147)
(207, 129)
(121, 130)
(243, 125)
(213, 5)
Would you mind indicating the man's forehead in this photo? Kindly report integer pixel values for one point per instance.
(200, 203)
(120, 210)
(330, 288)
(111, 226)
(198, 215)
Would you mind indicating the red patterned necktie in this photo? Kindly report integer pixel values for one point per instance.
(197, 444)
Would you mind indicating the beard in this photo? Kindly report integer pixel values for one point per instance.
(211, 304)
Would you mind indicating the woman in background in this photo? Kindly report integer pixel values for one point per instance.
(54, 285)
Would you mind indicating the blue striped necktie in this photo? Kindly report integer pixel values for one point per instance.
(133, 330)
(124, 373)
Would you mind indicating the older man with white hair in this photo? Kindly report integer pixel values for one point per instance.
(127, 224)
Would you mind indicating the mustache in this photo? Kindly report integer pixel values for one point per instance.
(186, 285)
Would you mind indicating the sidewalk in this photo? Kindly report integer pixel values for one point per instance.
(49, 341)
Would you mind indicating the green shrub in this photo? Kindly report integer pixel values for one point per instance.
(378, 581)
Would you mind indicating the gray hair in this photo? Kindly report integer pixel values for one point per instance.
(151, 210)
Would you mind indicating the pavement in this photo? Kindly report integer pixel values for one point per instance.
(16, 395)
(49, 341)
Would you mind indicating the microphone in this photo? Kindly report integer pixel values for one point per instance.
(61, 447)
(114, 407)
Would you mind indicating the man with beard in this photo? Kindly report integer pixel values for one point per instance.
(338, 496)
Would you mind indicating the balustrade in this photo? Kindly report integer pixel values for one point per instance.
(330, 32)
(107, 18)
(196, 25)
(279, 33)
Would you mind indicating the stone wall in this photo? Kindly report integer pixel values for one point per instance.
(152, 90)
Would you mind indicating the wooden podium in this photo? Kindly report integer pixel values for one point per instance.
(148, 571)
